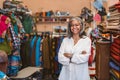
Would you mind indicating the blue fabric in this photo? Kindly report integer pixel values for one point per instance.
(15, 29)
(98, 5)
(56, 57)
(114, 66)
(32, 44)
(1, 40)
(2, 75)
(13, 70)
(38, 52)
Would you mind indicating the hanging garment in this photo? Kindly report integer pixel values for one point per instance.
(5, 46)
(33, 56)
(98, 4)
(46, 54)
(77, 68)
(3, 25)
(38, 53)
(3, 61)
(27, 23)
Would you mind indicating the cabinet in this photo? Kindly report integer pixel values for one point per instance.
(102, 60)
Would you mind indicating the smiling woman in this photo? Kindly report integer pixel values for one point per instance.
(74, 52)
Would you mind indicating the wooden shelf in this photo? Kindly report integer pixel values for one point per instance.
(55, 19)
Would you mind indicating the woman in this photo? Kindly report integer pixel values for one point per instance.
(74, 52)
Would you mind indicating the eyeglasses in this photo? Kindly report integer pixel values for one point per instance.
(74, 25)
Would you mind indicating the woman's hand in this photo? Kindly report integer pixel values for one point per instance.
(68, 55)
(83, 52)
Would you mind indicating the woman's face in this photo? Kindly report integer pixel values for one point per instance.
(75, 27)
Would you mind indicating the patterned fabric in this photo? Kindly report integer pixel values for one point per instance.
(16, 40)
(3, 61)
(3, 25)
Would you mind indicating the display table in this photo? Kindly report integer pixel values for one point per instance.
(26, 73)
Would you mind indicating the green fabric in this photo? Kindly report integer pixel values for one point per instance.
(27, 23)
(5, 47)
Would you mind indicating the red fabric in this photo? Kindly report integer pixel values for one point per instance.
(117, 41)
(116, 45)
(91, 56)
(115, 50)
(3, 26)
(116, 57)
(97, 17)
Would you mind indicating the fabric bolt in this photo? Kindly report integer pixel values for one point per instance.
(116, 45)
(115, 50)
(116, 62)
(116, 73)
(79, 62)
(117, 41)
(113, 75)
(116, 57)
(114, 66)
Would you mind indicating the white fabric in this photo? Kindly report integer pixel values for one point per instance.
(78, 68)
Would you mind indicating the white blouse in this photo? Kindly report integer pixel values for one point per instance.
(77, 69)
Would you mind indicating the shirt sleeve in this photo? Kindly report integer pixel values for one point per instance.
(61, 58)
(79, 58)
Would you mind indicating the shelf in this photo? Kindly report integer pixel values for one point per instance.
(61, 19)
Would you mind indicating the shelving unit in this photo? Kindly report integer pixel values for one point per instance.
(55, 19)
(47, 23)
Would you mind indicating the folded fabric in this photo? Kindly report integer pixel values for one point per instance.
(116, 62)
(114, 66)
(116, 57)
(113, 75)
(115, 50)
(116, 45)
(117, 41)
(116, 73)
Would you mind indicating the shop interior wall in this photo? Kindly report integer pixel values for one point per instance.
(73, 6)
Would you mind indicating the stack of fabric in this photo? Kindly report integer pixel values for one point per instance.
(115, 60)
(114, 18)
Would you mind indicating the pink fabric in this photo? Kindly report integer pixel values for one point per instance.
(3, 26)
(97, 17)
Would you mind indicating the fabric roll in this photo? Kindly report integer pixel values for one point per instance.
(116, 57)
(114, 66)
(114, 77)
(115, 50)
(116, 62)
(117, 41)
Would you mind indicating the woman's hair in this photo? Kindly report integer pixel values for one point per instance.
(82, 32)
